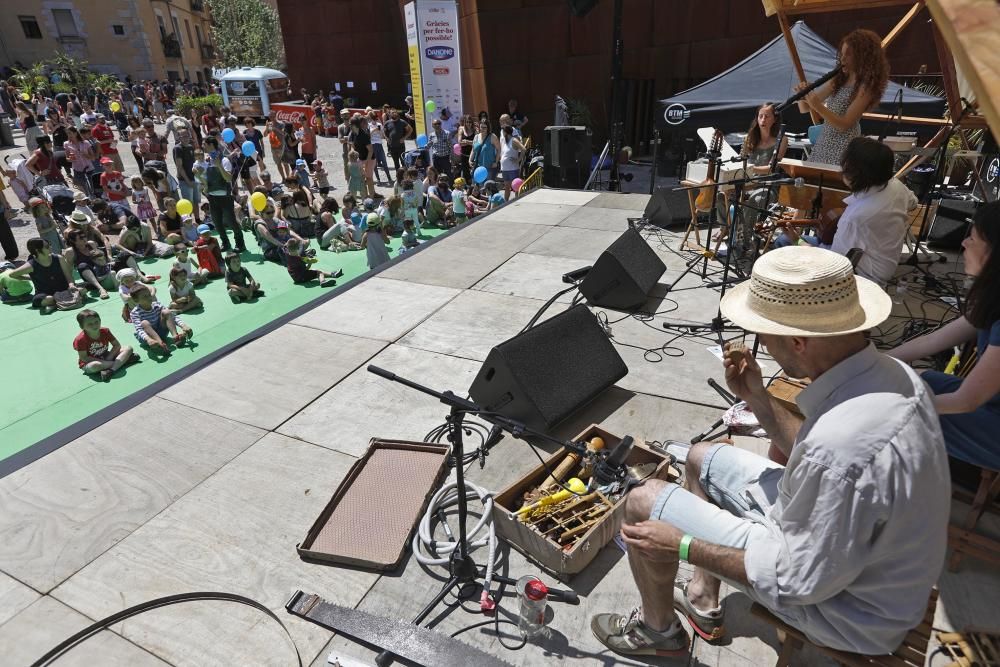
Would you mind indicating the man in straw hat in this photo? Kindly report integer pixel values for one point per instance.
(846, 540)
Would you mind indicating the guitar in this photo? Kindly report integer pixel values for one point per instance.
(706, 195)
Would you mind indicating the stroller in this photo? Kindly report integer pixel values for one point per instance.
(60, 199)
(22, 181)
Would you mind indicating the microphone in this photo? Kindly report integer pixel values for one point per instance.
(797, 182)
(609, 470)
(805, 91)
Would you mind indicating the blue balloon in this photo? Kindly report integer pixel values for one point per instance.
(480, 174)
(228, 135)
(421, 140)
(248, 148)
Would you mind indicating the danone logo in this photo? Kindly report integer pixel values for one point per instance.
(439, 52)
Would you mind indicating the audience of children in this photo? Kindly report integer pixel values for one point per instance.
(209, 252)
(183, 261)
(299, 265)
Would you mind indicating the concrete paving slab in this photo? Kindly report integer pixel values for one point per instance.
(556, 196)
(45, 623)
(14, 597)
(529, 213)
(378, 308)
(631, 200)
(595, 217)
(572, 242)
(364, 406)
(236, 532)
(66, 509)
(451, 265)
(298, 363)
(532, 277)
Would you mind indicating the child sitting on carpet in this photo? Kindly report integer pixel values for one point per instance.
(411, 203)
(127, 281)
(410, 239)
(189, 230)
(182, 296)
(458, 201)
(209, 253)
(12, 289)
(375, 243)
(299, 266)
(183, 260)
(239, 282)
(98, 349)
(153, 323)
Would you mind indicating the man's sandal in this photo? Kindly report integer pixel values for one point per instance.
(708, 624)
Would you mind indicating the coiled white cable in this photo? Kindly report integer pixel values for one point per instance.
(431, 551)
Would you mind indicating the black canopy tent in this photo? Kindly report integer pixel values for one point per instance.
(728, 101)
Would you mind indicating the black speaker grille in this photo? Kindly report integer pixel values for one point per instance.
(624, 274)
(561, 364)
(638, 258)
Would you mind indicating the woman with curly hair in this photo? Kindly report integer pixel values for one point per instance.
(841, 101)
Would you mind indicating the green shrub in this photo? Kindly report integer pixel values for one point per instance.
(184, 103)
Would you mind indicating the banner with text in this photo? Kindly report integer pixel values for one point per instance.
(413, 54)
(440, 62)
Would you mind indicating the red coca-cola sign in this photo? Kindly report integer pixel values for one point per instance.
(292, 113)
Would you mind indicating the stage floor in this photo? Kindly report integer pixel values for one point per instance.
(209, 485)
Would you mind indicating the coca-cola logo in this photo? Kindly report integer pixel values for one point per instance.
(285, 116)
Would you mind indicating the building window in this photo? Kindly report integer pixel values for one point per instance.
(118, 29)
(177, 30)
(187, 29)
(197, 31)
(65, 23)
(29, 24)
(163, 28)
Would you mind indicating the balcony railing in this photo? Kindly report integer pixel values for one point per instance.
(197, 5)
(171, 47)
(207, 52)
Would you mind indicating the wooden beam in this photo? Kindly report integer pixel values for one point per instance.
(796, 7)
(786, 31)
(950, 79)
(970, 29)
(903, 22)
(969, 122)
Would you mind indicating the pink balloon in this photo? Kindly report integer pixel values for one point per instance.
(457, 149)
(516, 184)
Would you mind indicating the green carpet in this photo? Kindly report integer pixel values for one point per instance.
(44, 391)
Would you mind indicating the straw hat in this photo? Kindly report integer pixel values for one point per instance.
(80, 218)
(806, 291)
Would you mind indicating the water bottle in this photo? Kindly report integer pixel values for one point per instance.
(532, 593)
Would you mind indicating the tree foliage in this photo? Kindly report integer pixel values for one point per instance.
(184, 103)
(247, 33)
(72, 73)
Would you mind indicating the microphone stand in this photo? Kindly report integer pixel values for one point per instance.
(461, 567)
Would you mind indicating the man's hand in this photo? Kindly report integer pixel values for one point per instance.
(656, 541)
(743, 375)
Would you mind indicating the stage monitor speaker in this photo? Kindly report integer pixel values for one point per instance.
(541, 376)
(624, 274)
(667, 208)
(951, 223)
(567, 156)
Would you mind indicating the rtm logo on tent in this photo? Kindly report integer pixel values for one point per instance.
(676, 114)
(439, 52)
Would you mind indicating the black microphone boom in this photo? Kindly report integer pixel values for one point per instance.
(802, 93)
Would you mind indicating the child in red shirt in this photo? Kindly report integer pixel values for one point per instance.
(209, 252)
(113, 182)
(98, 349)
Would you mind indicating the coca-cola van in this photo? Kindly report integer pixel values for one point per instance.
(250, 91)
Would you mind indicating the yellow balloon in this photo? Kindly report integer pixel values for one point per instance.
(259, 201)
(116, 108)
(25, 96)
(184, 206)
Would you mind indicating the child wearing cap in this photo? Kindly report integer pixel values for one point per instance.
(375, 242)
(458, 201)
(298, 266)
(209, 253)
(239, 282)
(302, 173)
(98, 350)
(189, 230)
(44, 223)
(153, 323)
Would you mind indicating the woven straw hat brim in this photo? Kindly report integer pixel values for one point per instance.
(875, 304)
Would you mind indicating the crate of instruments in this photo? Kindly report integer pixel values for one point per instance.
(563, 530)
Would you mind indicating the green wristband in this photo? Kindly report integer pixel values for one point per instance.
(684, 547)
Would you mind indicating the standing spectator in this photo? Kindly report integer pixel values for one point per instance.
(361, 141)
(440, 148)
(290, 140)
(518, 118)
(337, 102)
(344, 136)
(81, 156)
(410, 116)
(308, 142)
(397, 132)
(485, 150)
(162, 184)
(43, 162)
(464, 138)
(151, 145)
(218, 179)
(105, 136)
(377, 132)
(511, 149)
(209, 121)
(184, 163)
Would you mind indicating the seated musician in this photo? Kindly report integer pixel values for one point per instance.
(846, 541)
(876, 215)
(969, 408)
(761, 141)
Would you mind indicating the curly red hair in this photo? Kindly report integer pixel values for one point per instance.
(868, 62)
